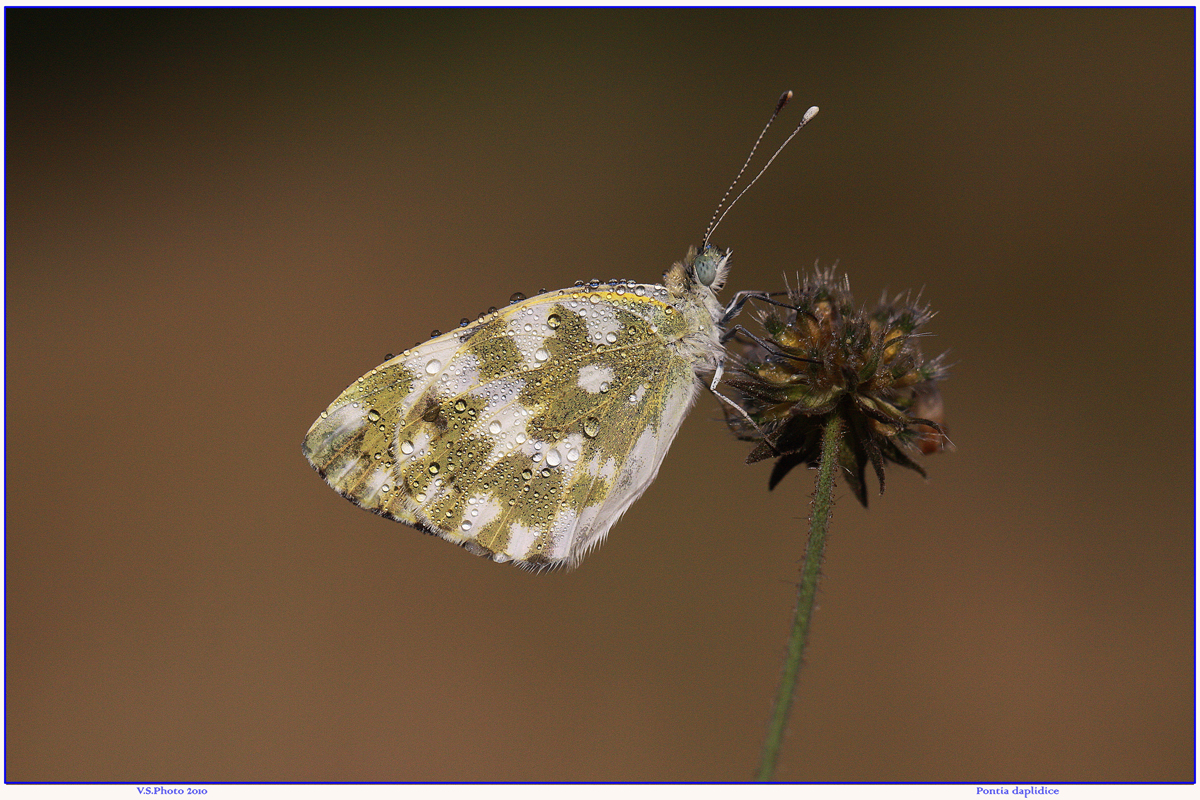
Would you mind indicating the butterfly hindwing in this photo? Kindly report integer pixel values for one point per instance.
(526, 434)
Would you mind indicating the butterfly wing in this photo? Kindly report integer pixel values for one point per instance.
(523, 436)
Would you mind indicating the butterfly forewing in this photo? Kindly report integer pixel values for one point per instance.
(525, 435)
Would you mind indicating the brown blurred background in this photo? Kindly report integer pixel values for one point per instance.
(219, 219)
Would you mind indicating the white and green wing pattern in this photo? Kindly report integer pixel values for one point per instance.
(525, 435)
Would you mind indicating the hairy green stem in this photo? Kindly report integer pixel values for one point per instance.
(818, 526)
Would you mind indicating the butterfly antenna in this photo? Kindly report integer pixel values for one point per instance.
(714, 222)
(808, 115)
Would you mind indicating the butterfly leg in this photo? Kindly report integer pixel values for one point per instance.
(765, 345)
(741, 298)
(717, 375)
(738, 303)
(731, 311)
(735, 307)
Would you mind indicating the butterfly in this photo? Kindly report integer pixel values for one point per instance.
(525, 435)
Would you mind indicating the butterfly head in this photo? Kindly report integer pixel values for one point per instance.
(700, 275)
(710, 266)
(700, 272)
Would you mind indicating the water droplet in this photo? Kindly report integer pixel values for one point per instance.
(434, 333)
(541, 354)
(460, 405)
(324, 415)
(388, 356)
(494, 427)
(516, 298)
(554, 320)
(604, 388)
(521, 438)
(378, 456)
(433, 366)
(466, 526)
(421, 497)
(591, 427)
(526, 474)
(464, 322)
(640, 291)
(594, 299)
(373, 415)
(406, 447)
(572, 454)
(434, 468)
(385, 488)
(610, 337)
(553, 459)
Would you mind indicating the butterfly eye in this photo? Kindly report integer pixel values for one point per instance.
(708, 264)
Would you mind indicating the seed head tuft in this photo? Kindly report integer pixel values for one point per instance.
(819, 355)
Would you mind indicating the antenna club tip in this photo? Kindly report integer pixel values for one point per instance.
(783, 100)
(812, 112)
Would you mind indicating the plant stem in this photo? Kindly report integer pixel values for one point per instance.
(818, 526)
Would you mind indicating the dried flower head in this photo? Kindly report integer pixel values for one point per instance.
(820, 356)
